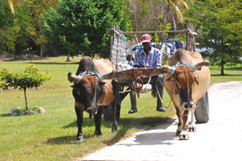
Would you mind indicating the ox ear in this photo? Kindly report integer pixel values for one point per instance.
(195, 80)
(199, 65)
(74, 86)
(102, 83)
(171, 78)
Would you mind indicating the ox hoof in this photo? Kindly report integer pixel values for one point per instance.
(192, 129)
(178, 133)
(99, 136)
(114, 129)
(183, 136)
(80, 138)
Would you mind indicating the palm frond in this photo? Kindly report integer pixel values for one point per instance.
(176, 11)
(10, 5)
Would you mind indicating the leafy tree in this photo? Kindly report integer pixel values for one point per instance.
(11, 5)
(144, 14)
(36, 9)
(81, 27)
(20, 25)
(172, 10)
(218, 24)
(7, 32)
(15, 27)
(30, 78)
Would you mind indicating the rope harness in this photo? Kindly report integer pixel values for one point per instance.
(88, 73)
(194, 69)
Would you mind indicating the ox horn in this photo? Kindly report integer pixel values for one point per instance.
(200, 64)
(167, 69)
(73, 78)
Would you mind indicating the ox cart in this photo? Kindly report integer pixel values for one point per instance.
(131, 77)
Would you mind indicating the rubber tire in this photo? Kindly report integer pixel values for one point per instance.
(202, 111)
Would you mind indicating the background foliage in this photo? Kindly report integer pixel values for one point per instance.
(81, 27)
(58, 27)
(218, 24)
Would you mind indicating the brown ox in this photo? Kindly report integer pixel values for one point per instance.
(186, 81)
(91, 93)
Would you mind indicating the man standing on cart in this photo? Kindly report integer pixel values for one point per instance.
(150, 57)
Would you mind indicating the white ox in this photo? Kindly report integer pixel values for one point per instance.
(186, 81)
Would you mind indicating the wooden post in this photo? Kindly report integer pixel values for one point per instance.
(111, 43)
(190, 38)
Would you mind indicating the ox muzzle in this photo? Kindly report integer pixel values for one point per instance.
(92, 109)
(188, 105)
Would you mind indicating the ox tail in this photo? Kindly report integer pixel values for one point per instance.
(154, 84)
(116, 91)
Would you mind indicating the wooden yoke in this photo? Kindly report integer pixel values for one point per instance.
(135, 72)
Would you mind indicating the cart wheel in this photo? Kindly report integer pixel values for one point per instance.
(202, 111)
(108, 116)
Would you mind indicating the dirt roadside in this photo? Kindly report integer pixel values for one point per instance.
(219, 139)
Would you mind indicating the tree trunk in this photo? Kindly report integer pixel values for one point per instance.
(174, 23)
(68, 58)
(41, 51)
(222, 66)
(26, 104)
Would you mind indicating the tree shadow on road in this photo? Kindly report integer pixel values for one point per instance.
(123, 126)
(144, 139)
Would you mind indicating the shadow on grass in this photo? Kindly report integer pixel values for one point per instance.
(123, 126)
(219, 75)
(55, 63)
(4, 115)
(234, 68)
(61, 140)
(128, 122)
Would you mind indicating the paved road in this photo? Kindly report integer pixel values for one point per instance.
(219, 139)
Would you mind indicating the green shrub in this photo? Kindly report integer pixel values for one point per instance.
(30, 78)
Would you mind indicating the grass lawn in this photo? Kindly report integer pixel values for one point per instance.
(51, 136)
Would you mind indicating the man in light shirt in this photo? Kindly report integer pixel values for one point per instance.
(150, 57)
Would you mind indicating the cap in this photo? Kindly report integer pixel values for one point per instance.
(145, 38)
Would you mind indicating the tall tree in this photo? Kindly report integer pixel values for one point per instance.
(11, 4)
(144, 14)
(20, 25)
(81, 27)
(147, 15)
(37, 9)
(13, 29)
(172, 10)
(218, 23)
